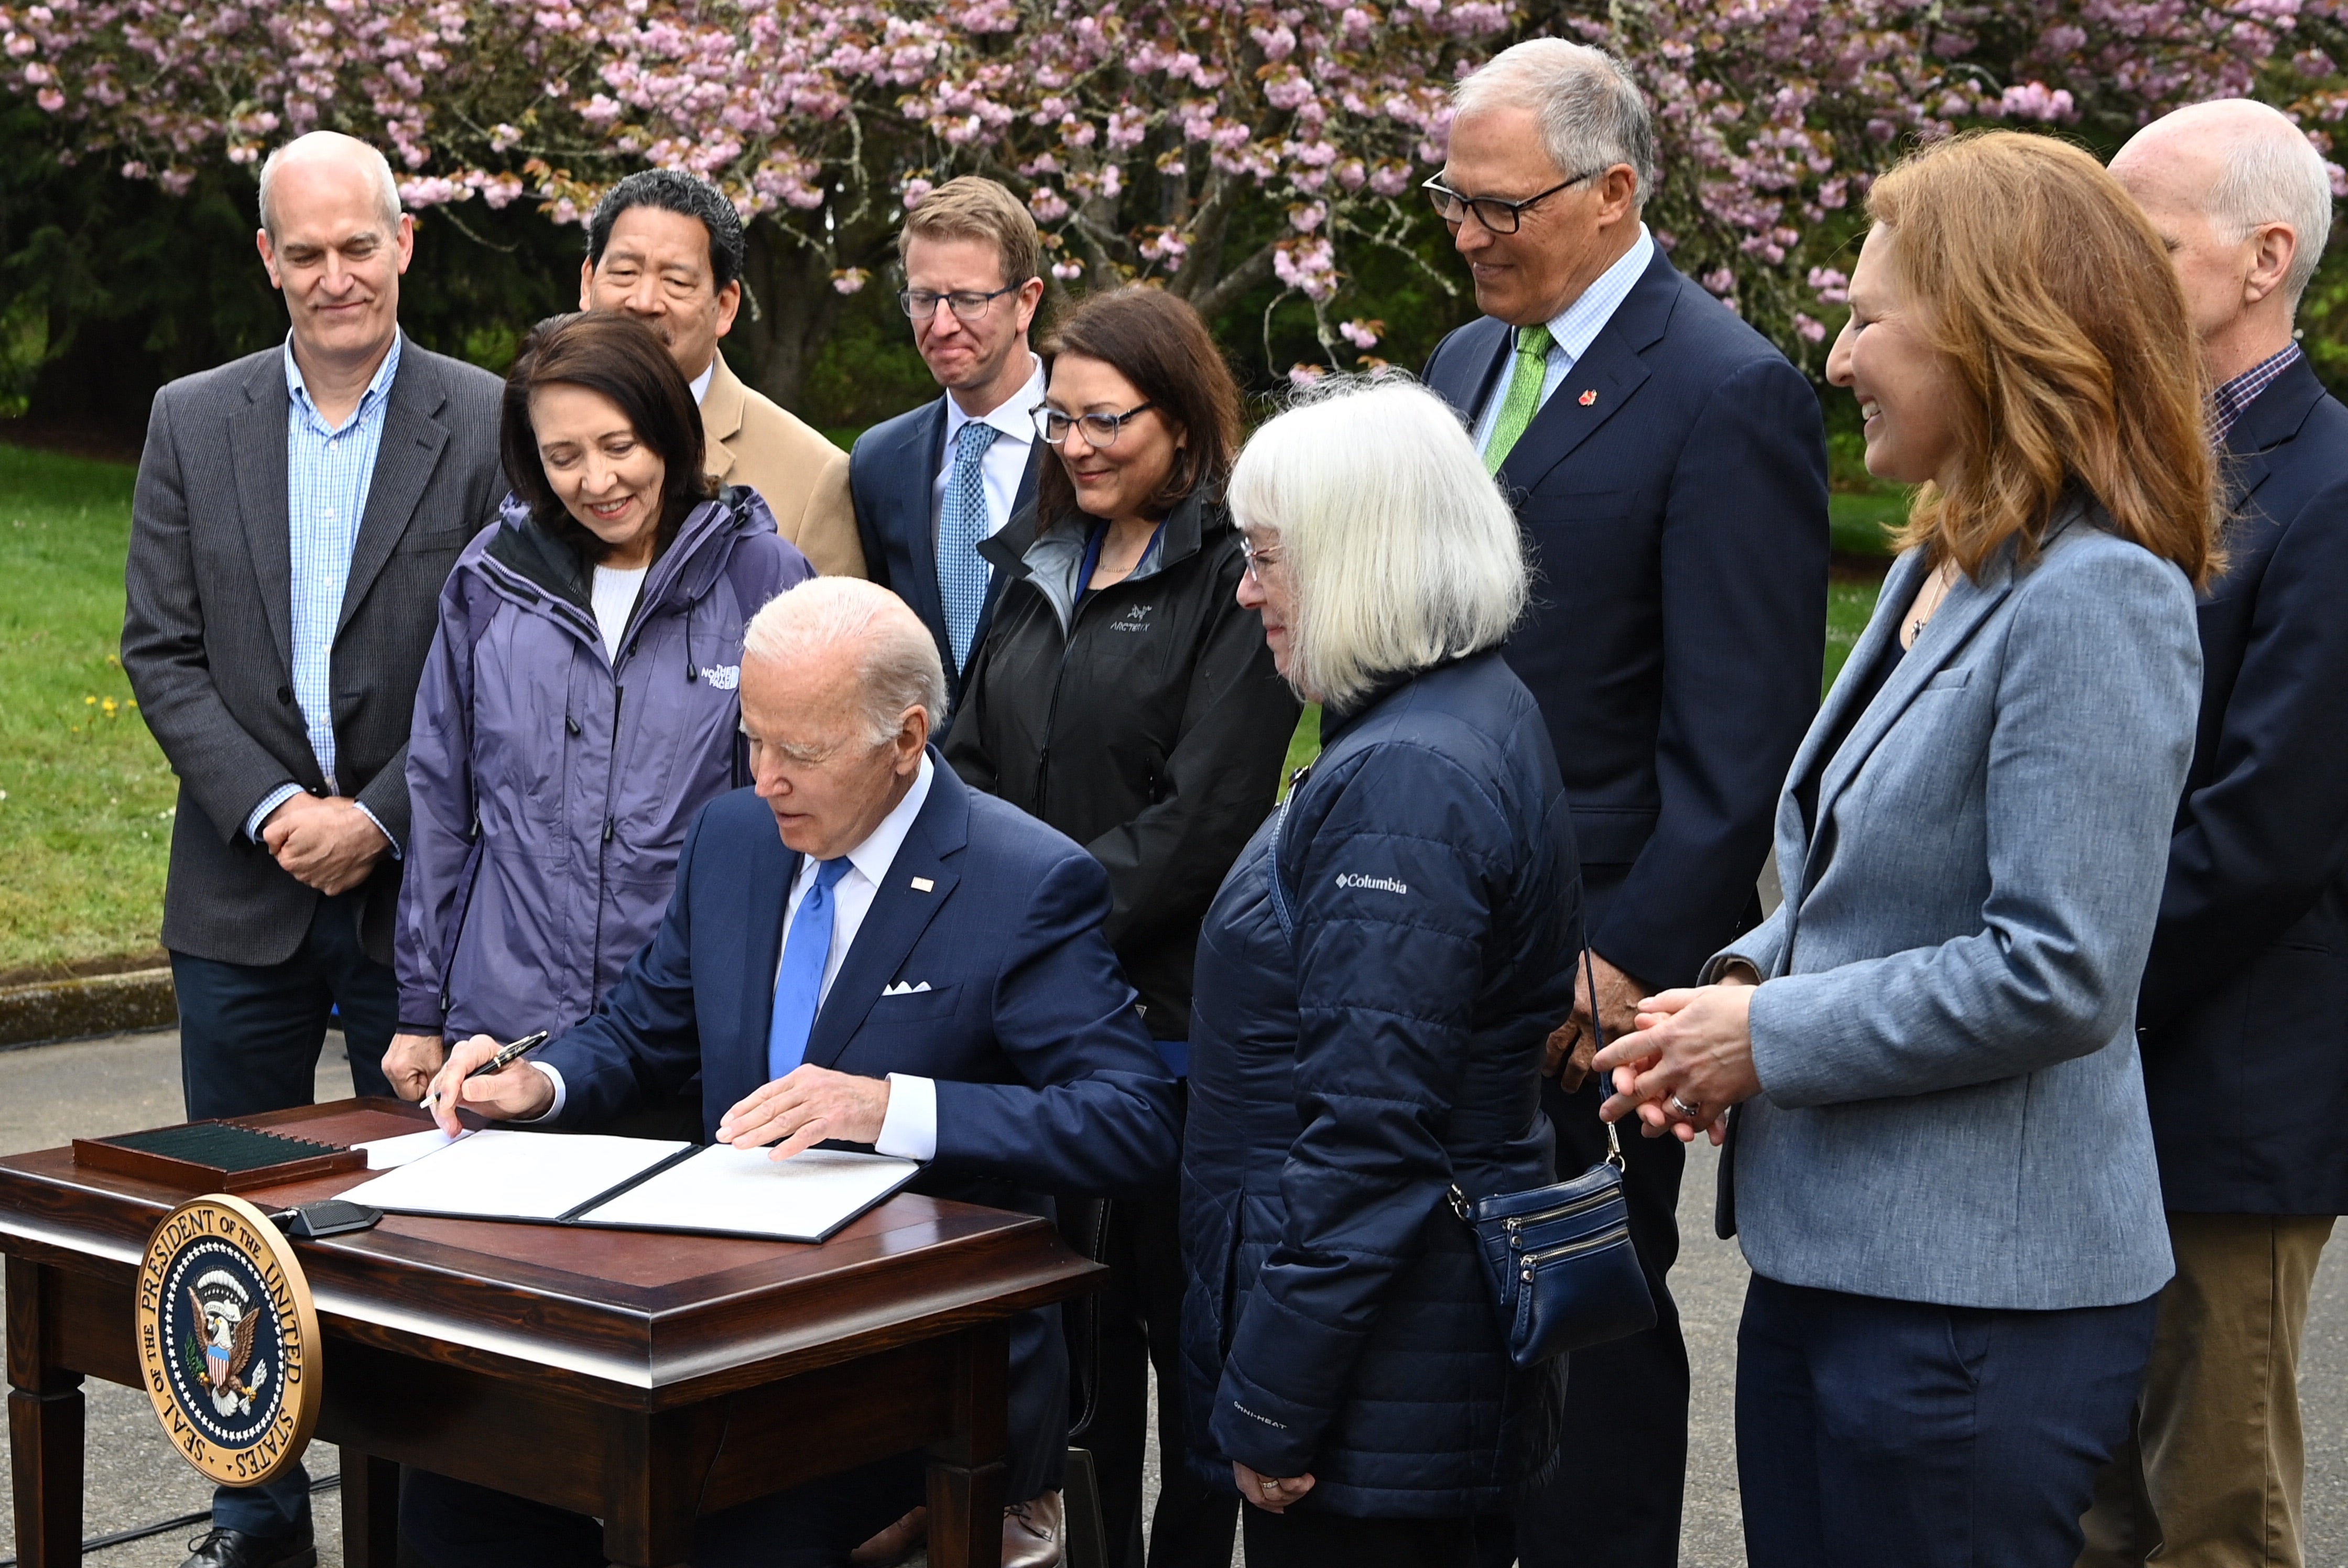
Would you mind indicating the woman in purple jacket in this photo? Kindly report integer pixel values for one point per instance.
(579, 705)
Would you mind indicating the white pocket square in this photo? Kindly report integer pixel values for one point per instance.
(901, 989)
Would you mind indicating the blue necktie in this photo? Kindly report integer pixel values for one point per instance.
(962, 523)
(799, 987)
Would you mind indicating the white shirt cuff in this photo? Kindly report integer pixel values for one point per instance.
(561, 1093)
(910, 1129)
(392, 843)
(276, 797)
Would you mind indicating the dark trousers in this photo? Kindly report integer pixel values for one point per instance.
(456, 1525)
(249, 1040)
(1613, 1502)
(1297, 1539)
(1885, 1434)
(1140, 1323)
(250, 1033)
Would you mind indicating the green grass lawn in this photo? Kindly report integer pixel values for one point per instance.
(85, 795)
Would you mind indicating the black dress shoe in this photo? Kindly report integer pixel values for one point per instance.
(235, 1549)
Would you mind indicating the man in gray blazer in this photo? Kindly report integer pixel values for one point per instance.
(297, 513)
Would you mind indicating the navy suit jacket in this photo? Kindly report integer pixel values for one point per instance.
(2244, 1011)
(1047, 1080)
(889, 473)
(1673, 494)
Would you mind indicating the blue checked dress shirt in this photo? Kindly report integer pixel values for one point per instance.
(799, 986)
(327, 473)
(2227, 403)
(962, 523)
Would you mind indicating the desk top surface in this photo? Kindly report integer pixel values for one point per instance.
(649, 1317)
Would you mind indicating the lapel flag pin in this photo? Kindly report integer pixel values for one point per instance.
(1589, 396)
(923, 884)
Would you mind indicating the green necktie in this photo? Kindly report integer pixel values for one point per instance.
(1523, 401)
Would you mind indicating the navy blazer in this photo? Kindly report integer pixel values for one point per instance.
(889, 473)
(2245, 1005)
(1673, 493)
(1046, 1080)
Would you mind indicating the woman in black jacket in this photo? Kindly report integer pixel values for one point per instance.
(1124, 698)
(1375, 982)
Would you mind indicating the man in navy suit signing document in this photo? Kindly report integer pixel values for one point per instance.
(860, 949)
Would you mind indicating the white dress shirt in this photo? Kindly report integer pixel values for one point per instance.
(701, 382)
(1005, 462)
(1573, 330)
(910, 1129)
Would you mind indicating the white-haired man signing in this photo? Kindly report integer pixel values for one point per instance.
(2244, 1032)
(861, 949)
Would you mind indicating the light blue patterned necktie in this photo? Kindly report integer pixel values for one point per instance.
(799, 986)
(962, 523)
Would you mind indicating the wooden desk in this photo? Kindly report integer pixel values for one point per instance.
(635, 1377)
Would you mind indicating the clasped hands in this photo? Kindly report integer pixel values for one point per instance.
(327, 843)
(806, 1107)
(1689, 1060)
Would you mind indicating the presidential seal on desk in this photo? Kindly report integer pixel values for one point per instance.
(228, 1340)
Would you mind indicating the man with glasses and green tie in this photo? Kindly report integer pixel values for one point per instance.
(932, 484)
(1668, 468)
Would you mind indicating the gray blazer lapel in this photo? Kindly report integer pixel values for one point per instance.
(411, 450)
(256, 444)
(1969, 604)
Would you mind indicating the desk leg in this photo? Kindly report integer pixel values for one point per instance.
(370, 1510)
(44, 1431)
(966, 1470)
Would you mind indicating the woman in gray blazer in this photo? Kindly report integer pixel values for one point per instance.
(1939, 1163)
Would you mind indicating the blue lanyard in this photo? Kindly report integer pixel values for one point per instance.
(1092, 557)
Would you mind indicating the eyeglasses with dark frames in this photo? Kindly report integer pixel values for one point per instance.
(968, 304)
(1100, 429)
(1502, 217)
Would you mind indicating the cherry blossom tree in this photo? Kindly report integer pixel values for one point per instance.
(1223, 148)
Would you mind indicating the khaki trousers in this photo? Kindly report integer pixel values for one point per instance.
(2213, 1474)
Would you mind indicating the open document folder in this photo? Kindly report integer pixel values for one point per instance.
(638, 1184)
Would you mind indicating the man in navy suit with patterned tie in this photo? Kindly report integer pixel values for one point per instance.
(931, 485)
(860, 949)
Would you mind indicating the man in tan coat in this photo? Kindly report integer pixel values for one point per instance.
(666, 248)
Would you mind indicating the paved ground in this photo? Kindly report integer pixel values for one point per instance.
(49, 1094)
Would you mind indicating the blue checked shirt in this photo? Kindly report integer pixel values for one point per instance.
(1574, 329)
(2228, 402)
(327, 473)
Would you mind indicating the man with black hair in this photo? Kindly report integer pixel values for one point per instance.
(666, 247)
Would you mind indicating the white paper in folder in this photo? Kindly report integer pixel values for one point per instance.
(639, 1183)
(498, 1174)
(743, 1193)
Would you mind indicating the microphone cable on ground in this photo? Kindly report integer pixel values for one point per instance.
(140, 1532)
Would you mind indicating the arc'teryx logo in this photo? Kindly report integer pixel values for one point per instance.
(1375, 885)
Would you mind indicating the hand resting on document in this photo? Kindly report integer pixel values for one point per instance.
(518, 1093)
(804, 1108)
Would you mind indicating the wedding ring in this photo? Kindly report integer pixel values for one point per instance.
(1683, 1108)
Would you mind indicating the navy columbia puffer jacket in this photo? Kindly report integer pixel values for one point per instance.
(1336, 1321)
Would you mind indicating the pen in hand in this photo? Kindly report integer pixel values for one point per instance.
(507, 1055)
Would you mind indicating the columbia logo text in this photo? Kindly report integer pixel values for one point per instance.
(1374, 884)
(1251, 1415)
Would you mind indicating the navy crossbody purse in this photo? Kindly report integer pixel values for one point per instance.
(1557, 1258)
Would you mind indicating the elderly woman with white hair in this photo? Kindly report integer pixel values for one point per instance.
(1375, 982)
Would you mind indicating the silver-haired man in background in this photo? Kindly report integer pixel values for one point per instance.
(2244, 1013)
(297, 513)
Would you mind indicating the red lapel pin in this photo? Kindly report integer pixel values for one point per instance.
(1589, 396)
